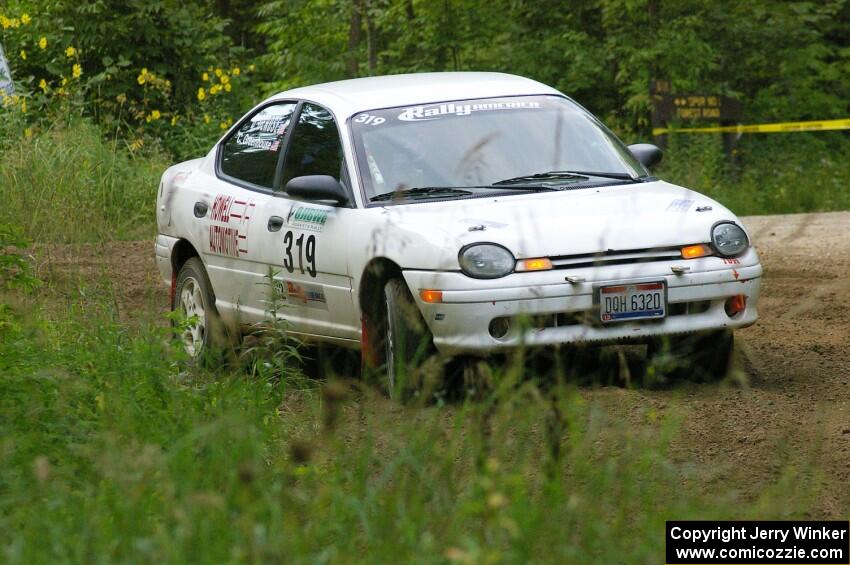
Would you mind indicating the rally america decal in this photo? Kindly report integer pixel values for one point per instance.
(421, 113)
(301, 294)
(307, 218)
(228, 229)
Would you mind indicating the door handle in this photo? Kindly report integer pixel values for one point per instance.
(201, 209)
(275, 223)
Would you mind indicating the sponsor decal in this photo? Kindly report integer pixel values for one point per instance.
(225, 238)
(301, 294)
(732, 261)
(422, 113)
(307, 218)
(680, 205)
(263, 134)
(224, 241)
(221, 208)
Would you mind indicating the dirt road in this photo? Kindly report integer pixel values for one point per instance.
(794, 405)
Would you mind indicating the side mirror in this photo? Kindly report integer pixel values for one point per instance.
(648, 154)
(317, 187)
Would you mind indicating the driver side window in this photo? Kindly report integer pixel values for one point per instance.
(315, 147)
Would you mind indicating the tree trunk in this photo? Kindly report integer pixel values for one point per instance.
(354, 37)
(371, 41)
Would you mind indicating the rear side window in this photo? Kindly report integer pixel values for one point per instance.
(315, 148)
(251, 153)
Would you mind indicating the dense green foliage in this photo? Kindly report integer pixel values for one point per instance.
(167, 77)
(783, 60)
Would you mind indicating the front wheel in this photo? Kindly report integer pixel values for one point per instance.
(405, 345)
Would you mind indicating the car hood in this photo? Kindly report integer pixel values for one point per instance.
(590, 220)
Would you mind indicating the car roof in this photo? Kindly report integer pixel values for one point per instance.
(347, 97)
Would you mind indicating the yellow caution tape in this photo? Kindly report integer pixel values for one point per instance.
(785, 127)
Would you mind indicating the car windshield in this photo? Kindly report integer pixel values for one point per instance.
(486, 144)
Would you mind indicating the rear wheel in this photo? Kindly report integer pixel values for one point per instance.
(405, 346)
(200, 329)
(700, 357)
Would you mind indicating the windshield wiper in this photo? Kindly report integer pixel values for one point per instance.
(420, 191)
(574, 176)
(458, 191)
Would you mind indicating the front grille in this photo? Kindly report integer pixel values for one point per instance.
(591, 317)
(612, 257)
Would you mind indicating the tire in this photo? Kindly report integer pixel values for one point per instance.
(405, 345)
(201, 331)
(701, 357)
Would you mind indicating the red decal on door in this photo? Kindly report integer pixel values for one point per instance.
(224, 241)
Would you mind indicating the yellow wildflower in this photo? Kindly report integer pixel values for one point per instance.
(15, 23)
(224, 79)
(235, 71)
(28, 132)
(223, 125)
(227, 87)
(156, 115)
(206, 118)
(218, 72)
(214, 89)
(77, 70)
(174, 120)
(205, 76)
(70, 52)
(201, 94)
(64, 81)
(42, 43)
(4, 22)
(42, 84)
(23, 55)
(25, 19)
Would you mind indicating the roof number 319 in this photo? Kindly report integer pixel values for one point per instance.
(369, 120)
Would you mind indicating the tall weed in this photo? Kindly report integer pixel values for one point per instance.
(68, 184)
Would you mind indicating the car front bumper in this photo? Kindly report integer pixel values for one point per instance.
(543, 308)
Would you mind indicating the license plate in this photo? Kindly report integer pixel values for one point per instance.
(632, 302)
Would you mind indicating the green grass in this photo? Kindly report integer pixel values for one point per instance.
(113, 450)
(770, 174)
(67, 184)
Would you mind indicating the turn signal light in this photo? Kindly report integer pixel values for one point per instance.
(431, 296)
(735, 305)
(695, 251)
(541, 264)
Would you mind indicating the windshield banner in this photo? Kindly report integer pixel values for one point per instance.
(418, 113)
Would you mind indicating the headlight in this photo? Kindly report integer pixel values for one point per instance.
(729, 239)
(486, 261)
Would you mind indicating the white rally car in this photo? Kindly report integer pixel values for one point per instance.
(474, 212)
